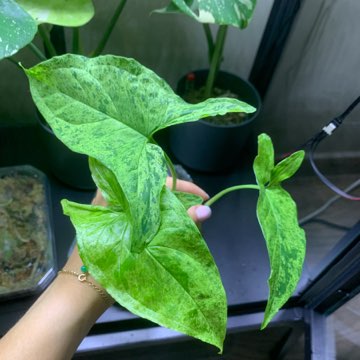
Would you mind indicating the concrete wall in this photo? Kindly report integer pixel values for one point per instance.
(317, 78)
(171, 45)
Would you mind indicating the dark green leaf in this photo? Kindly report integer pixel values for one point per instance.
(223, 12)
(17, 28)
(287, 167)
(264, 161)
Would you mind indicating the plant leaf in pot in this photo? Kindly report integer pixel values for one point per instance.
(143, 248)
(214, 143)
(214, 146)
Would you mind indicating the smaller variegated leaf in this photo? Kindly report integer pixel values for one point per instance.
(287, 167)
(17, 28)
(264, 161)
(223, 12)
(277, 216)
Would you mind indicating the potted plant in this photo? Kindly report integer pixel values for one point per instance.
(20, 22)
(218, 140)
(143, 248)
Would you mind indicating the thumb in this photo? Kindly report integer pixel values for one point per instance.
(199, 213)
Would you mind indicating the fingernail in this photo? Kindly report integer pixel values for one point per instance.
(202, 212)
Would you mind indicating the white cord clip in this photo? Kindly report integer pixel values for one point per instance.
(329, 128)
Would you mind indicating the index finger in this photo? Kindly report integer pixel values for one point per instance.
(186, 186)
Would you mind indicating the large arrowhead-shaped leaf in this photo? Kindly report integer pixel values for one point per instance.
(17, 28)
(144, 248)
(173, 281)
(59, 12)
(108, 108)
(223, 12)
(277, 215)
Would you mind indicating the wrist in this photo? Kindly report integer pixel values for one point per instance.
(87, 280)
(75, 272)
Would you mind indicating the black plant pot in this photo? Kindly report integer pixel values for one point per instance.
(208, 147)
(67, 166)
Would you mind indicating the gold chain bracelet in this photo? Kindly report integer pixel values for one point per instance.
(82, 277)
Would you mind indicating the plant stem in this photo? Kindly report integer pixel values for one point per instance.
(216, 59)
(57, 39)
(228, 190)
(172, 171)
(76, 40)
(109, 29)
(46, 39)
(210, 41)
(13, 61)
(37, 51)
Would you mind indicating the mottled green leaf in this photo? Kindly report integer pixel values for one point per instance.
(17, 28)
(287, 167)
(264, 161)
(105, 180)
(223, 12)
(121, 104)
(277, 215)
(285, 240)
(153, 258)
(173, 281)
(59, 12)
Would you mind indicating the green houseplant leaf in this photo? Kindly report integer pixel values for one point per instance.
(143, 248)
(17, 28)
(223, 12)
(74, 92)
(287, 167)
(173, 282)
(277, 215)
(59, 12)
(109, 108)
(188, 199)
(264, 161)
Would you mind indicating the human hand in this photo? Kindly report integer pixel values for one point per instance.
(198, 213)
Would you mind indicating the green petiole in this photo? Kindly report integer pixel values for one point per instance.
(228, 190)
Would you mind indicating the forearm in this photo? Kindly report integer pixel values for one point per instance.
(58, 321)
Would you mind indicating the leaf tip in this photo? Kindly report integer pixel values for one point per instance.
(267, 318)
(65, 207)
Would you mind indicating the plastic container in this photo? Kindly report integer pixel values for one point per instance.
(27, 249)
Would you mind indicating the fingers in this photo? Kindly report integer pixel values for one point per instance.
(186, 186)
(99, 199)
(199, 213)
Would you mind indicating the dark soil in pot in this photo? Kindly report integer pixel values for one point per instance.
(27, 256)
(214, 144)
